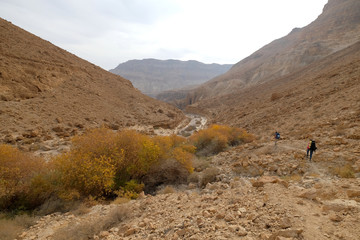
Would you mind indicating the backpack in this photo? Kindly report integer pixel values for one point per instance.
(313, 146)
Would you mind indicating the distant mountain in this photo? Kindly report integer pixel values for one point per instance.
(152, 76)
(48, 93)
(335, 29)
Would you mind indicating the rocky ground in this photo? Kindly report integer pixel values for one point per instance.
(259, 191)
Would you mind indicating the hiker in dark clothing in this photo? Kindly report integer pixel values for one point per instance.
(312, 148)
(277, 136)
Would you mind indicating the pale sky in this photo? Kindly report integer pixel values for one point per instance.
(110, 32)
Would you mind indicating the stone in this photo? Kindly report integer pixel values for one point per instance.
(220, 216)
(309, 194)
(181, 232)
(289, 233)
(129, 232)
(353, 193)
(229, 218)
(335, 217)
(339, 205)
(104, 233)
(58, 129)
(241, 232)
(337, 149)
(285, 223)
(260, 182)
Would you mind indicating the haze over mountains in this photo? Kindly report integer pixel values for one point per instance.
(152, 76)
(336, 28)
(47, 92)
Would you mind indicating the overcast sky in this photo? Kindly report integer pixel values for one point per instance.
(109, 32)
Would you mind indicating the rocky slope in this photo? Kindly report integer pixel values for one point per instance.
(152, 76)
(336, 28)
(49, 94)
(256, 190)
(293, 199)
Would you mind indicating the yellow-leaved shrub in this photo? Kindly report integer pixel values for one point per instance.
(90, 167)
(217, 138)
(105, 163)
(140, 152)
(17, 170)
(178, 148)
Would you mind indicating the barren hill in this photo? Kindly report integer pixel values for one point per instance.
(152, 76)
(319, 100)
(47, 93)
(336, 28)
(255, 190)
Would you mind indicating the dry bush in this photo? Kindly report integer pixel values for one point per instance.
(194, 178)
(19, 173)
(208, 176)
(121, 200)
(57, 204)
(93, 226)
(346, 171)
(292, 178)
(200, 164)
(10, 228)
(82, 209)
(168, 172)
(167, 190)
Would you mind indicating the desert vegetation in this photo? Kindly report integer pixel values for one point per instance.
(104, 164)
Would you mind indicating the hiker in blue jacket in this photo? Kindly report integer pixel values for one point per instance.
(277, 136)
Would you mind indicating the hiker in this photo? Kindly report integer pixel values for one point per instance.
(277, 136)
(308, 148)
(311, 148)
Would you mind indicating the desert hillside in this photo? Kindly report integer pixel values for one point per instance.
(48, 93)
(336, 28)
(234, 182)
(319, 100)
(152, 76)
(255, 190)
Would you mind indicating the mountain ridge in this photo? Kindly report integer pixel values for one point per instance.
(152, 76)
